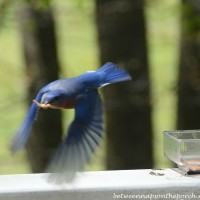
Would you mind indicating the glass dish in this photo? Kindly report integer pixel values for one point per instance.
(183, 148)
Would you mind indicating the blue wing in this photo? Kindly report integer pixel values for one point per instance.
(83, 137)
(22, 135)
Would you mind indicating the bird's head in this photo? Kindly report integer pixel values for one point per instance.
(51, 99)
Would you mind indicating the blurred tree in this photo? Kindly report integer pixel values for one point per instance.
(189, 70)
(39, 41)
(4, 4)
(121, 32)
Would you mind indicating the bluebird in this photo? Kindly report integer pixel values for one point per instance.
(86, 130)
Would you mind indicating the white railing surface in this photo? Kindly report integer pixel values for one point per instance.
(104, 185)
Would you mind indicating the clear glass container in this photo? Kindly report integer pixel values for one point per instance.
(183, 148)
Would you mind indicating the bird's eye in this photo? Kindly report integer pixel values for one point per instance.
(56, 98)
(53, 100)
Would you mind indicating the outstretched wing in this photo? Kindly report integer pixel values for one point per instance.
(20, 139)
(83, 137)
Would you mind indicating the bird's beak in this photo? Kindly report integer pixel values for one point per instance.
(45, 106)
(42, 105)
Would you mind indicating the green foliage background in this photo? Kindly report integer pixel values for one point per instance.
(78, 52)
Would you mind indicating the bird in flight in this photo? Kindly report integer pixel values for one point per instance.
(85, 132)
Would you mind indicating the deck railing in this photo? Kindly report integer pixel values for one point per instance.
(104, 185)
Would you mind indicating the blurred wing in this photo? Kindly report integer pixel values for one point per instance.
(83, 137)
(20, 139)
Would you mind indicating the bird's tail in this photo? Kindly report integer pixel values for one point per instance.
(111, 73)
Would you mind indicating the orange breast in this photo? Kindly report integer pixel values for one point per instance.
(68, 105)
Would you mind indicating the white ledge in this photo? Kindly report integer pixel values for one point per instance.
(103, 185)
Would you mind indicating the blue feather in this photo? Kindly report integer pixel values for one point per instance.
(83, 137)
(111, 73)
(107, 74)
(22, 135)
